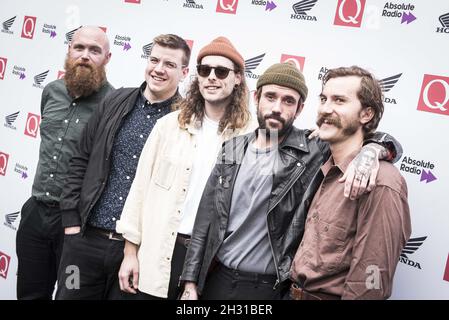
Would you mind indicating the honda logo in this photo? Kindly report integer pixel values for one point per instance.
(227, 6)
(349, 13)
(3, 163)
(2, 67)
(32, 125)
(434, 96)
(297, 61)
(4, 264)
(29, 24)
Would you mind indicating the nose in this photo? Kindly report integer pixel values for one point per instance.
(159, 67)
(325, 108)
(276, 107)
(85, 54)
(212, 75)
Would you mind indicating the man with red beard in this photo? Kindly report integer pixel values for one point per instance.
(66, 107)
(245, 232)
(350, 249)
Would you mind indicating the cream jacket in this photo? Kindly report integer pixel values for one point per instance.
(152, 212)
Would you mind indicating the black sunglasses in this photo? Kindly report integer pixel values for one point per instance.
(221, 72)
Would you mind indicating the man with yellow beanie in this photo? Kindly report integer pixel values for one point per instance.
(159, 213)
(246, 232)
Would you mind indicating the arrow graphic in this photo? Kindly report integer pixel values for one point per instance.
(126, 46)
(52, 34)
(24, 175)
(270, 5)
(408, 17)
(22, 76)
(428, 177)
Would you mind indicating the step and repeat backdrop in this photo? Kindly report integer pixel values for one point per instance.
(404, 43)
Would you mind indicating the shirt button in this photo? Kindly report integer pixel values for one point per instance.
(54, 157)
(184, 190)
(134, 156)
(298, 164)
(59, 139)
(66, 120)
(187, 169)
(74, 104)
(158, 110)
(148, 117)
(141, 136)
(47, 193)
(301, 145)
(51, 175)
(113, 219)
(127, 177)
(121, 198)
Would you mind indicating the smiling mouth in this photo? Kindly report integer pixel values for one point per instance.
(156, 78)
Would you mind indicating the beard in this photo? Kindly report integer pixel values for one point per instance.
(287, 124)
(83, 79)
(348, 130)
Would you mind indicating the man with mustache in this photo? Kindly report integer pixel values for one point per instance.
(350, 249)
(244, 236)
(66, 107)
(103, 168)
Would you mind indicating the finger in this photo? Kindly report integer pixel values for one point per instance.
(363, 186)
(135, 279)
(372, 179)
(355, 188)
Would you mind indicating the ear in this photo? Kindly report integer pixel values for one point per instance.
(108, 57)
(299, 109)
(366, 115)
(185, 72)
(255, 99)
(238, 78)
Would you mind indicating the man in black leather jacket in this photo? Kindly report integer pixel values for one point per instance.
(246, 233)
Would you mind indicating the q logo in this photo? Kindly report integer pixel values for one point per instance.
(29, 25)
(4, 264)
(3, 163)
(227, 6)
(32, 125)
(297, 61)
(3, 62)
(349, 13)
(434, 96)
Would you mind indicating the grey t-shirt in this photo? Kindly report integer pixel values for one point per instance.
(247, 246)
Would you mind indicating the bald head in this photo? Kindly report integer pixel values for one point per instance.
(90, 44)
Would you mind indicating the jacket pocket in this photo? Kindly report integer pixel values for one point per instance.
(165, 173)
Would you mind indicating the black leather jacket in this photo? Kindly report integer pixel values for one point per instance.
(300, 160)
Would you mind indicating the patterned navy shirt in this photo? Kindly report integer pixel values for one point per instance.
(128, 144)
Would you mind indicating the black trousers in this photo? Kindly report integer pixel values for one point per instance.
(39, 242)
(89, 268)
(227, 284)
(177, 263)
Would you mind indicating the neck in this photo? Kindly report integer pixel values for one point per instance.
(216, 111)
(342, 149)
(264, 142)
(154, 97)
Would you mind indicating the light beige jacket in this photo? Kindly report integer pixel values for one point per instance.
(151, 215)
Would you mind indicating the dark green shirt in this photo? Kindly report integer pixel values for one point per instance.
(63, 120)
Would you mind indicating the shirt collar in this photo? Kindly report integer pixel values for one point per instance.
(342, 167)
(162, 104)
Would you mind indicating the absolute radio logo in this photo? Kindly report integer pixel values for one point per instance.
(401, 10)
(3, 163)
(49, 29)
(123, 41)
(444, 20)
(10, 218)
(349, 13)
(10, 119)
(4, 264)
(252, 64)
(301, 8)
(32, 125)
(191, 4)
(269, 5)
(387, 84)
(38, 79)
(227, 6)
(22, 170)
(297, 61)
(28, 27)
(410, 248)
(434, 96)
(418, 167)
(19, 72)
(6, 25)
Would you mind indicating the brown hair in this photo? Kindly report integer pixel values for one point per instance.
(236, 116)
(173, 41)
(369, 93)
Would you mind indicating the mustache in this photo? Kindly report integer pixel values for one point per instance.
(331, 120)
(275, 117)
